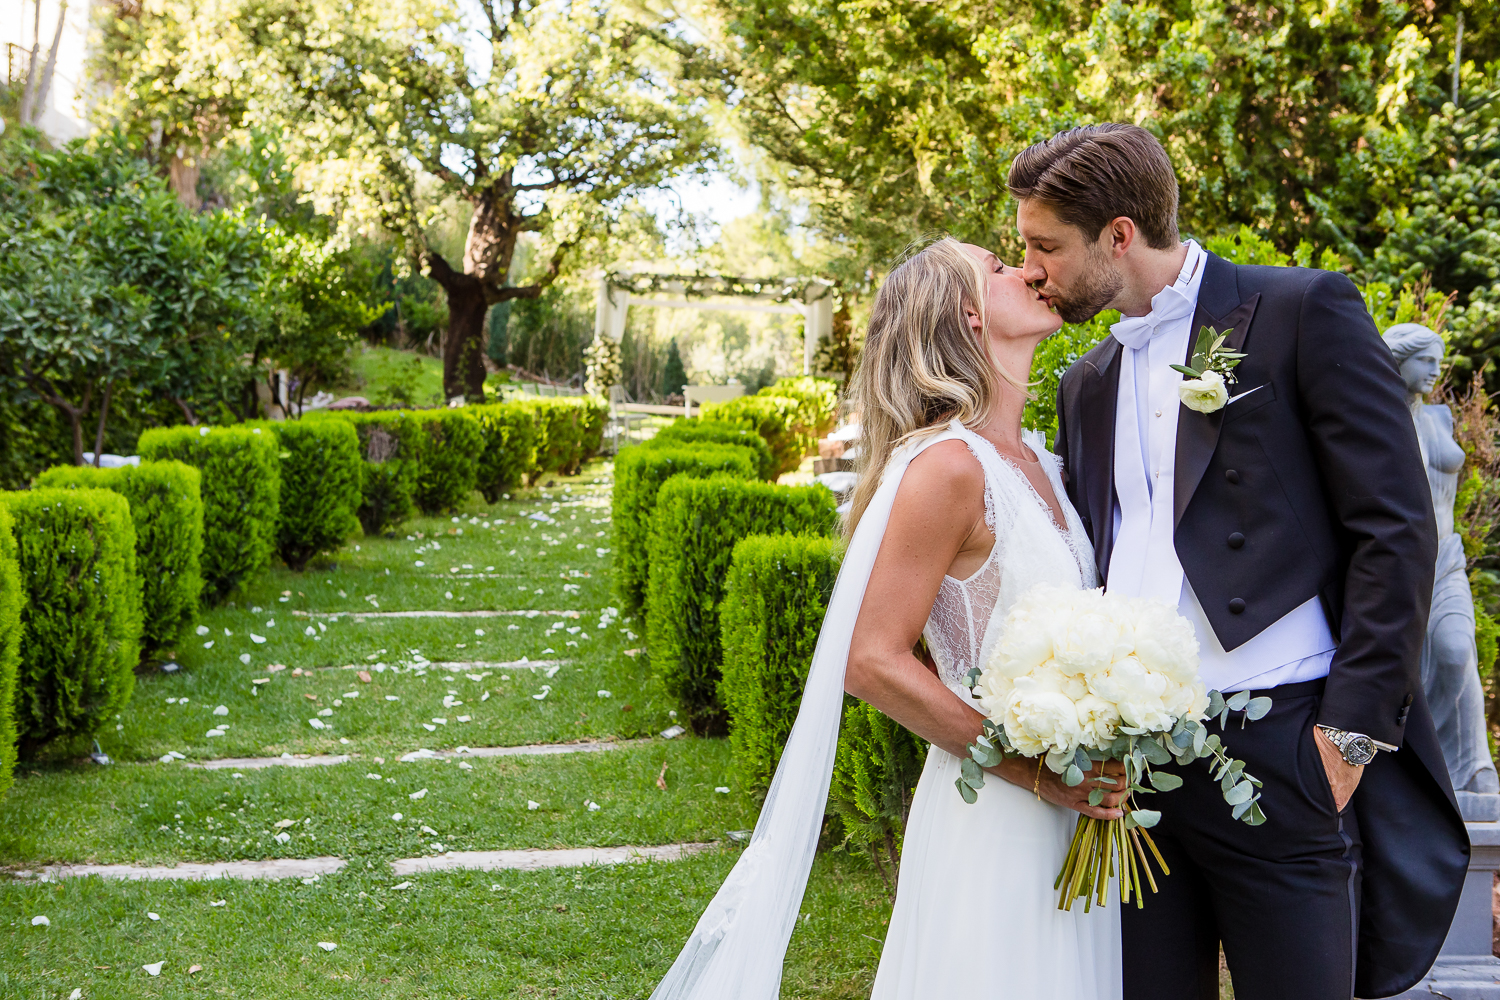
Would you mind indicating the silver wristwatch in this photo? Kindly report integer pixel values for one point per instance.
(1357, 748)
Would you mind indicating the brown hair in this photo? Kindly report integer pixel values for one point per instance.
(1096, 173)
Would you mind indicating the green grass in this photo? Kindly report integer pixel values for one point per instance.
(384, 375)
(598, 932)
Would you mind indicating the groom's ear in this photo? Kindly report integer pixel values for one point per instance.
(1119, 235)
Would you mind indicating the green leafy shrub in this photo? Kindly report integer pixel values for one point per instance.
(81, 623)
(560, 436)
(700, 431)
(166, 507)
(321, 488)
(390, 444)
(694, 528)
(593, 416)
(818, 400)
(241, 489)
(774, 599)
(11, 599)
(448, 460)
(511, 433)
(775, 418)
(639, 473)
(875, 773)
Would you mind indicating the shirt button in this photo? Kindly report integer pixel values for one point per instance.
(1158, 413)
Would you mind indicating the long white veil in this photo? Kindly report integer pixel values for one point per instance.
(737, 949)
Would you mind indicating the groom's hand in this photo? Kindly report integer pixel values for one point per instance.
(1343, 777)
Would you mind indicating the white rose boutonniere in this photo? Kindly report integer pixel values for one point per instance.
(1206, 385)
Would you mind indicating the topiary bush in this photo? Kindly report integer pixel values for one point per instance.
(11, 599)
(875, 774)
(817, 398)
(321, 488)
(639, 473)
(81, 623)
(390, 445)
(448, 463)
(775, 418)
(700, 431)
(511, 434)
(593, 417)
(774, 599)
(560, 445)
(241, 490)
(166, 508)
(694, 529)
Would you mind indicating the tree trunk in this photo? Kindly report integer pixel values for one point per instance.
(464, 342)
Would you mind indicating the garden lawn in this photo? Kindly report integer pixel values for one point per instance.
(435, 683)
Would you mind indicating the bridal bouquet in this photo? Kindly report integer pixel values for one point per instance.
(1081, 677)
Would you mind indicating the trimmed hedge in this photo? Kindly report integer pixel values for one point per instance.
(321, 479)
(875, 774)
(390, 444)
(639, 473)
(817, 398)
(700, 431)
(11, 599)
(448, 462)
(511, 434)
(241, 489)
(774, 599)
(81, 624)
(166, 507)
(774, 418)
(560, 439)
(694, 528)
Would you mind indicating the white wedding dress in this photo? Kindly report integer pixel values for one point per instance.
(976, 917)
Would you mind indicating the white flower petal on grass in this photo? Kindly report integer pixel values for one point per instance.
(327, 945)
(533, 806)
(202, 630)
(479, 631)
(546, 690)
(403, 885)
(219, 902)
(270, 623)
(672, 732)
(325, 713)
(373, 776)
(593, 806)
(722, 789)
(282, 837)
(464, 765)
(309, 631)
(245, 659)
(396, 816)
(429, 727)
(222, 710)
(40, 922)
(153, 916)
(316, 723)
(282, 824)
(209, 644)
(415, 796)
(485, 696)
(393, 697)
(76, 994)
(213, 733)
(605, 694)
(420, 564)
(257, 639)
(429, 831)
(154, 969)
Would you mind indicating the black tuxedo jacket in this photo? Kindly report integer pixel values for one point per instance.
(1310, 483)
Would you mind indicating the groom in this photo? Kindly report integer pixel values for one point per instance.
(1293, 526)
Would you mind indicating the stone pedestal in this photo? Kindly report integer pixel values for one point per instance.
(1466, 969)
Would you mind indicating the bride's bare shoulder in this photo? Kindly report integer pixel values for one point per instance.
(946, 473)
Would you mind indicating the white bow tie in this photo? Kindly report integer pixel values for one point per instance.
(1168, 305)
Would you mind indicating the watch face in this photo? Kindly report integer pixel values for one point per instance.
(1359, 750)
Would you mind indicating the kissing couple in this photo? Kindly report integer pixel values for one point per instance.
(1289, 523)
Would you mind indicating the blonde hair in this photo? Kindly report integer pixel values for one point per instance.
(922, 364)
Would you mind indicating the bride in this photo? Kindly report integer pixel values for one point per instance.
(955, 516)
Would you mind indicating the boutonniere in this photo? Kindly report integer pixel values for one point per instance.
(1206, 385)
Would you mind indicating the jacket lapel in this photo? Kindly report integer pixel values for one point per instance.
(1097, 425)
(1219, 306)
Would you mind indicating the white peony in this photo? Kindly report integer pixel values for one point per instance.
(1206, 394)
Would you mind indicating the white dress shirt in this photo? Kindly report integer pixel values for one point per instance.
(1143, 562)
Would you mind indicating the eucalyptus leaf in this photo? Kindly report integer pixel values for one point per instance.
(1096, 796)
(1240, 809)
(1215, 703)
(1256, 817)
(970, 796)
(1145, 817)
(972, 775)
(1238, 700)
(1257, 708)
(1165, 781)
(1239, 793)
(1200, 740)
(1073, 776)
(1154, 751)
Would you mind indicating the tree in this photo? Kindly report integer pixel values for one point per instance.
(673, 375)
(543, 119)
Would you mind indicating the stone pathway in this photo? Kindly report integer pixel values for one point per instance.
(359, 615)
(324, 760)
(275, 868)
(464, 666)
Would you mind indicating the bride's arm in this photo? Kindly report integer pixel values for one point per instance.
(937, 523)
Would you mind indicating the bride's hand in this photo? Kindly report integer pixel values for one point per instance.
(1050, 786)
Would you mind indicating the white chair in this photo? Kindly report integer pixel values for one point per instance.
(708, 394)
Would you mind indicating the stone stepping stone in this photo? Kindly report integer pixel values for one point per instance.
(466, 666)
(275, 868)
(323, 760)
(485, 613)
(536, 860)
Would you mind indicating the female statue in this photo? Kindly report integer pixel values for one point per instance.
(1450, 674)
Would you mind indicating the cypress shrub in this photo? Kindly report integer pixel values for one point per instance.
(875, 774)
(448, 463)
(511, 433)
(321, 488)
(694, 528)
(639, 473)
(700, 431)
(166, 508)
(774, 599)
(241, 489)
(81, 623)
(11, 599)
(775, 418)
(390, 443)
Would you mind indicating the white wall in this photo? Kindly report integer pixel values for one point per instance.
(66, 114)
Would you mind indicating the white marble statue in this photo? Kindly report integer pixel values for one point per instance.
(1450, 661)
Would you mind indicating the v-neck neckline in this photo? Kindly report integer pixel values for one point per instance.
(1046, 508)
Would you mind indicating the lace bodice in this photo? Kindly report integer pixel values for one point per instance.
(1029, 549)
